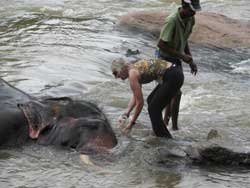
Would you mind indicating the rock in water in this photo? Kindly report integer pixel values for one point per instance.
(217, 153)
(213, 134)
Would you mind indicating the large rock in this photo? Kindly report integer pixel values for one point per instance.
(217, 150)
(210, 29)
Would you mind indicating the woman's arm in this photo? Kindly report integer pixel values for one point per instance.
(123, 118)
(138, 98)
(131, 106)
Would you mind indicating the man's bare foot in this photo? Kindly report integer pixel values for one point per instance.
(175, 128)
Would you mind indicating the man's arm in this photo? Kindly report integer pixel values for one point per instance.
(164, 46)
(187, 50)
(187, 58)
(192, 65)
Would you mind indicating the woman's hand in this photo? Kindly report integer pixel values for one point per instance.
(127, 129)
(122, 120)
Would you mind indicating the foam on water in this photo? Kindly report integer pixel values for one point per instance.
(242, 67)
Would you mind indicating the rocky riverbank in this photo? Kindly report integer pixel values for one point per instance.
(210, 29)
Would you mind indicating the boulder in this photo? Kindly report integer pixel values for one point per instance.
(210, 29)
(217, 150)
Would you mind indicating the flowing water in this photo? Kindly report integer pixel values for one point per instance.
(65, 48)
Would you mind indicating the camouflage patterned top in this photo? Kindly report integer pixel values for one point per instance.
(151, 69)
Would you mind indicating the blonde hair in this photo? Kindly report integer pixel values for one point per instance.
(118, 64)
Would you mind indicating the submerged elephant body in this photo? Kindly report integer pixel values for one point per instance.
(54, 121)
(64, 122)
(13, 124)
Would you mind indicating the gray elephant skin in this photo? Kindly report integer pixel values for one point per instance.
(53, 121)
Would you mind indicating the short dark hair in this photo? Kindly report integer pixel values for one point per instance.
(193, 4)
(184, 4)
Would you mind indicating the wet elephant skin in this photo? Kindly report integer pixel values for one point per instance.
(54, 121)
(13, 124)
(74, 124)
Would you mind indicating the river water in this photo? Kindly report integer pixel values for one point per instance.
(65, 48)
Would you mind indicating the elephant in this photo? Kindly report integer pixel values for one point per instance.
(13, 124)
(60, 121)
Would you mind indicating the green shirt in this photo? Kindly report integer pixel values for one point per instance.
(176, 32)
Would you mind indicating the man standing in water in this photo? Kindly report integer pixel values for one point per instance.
(173, 47)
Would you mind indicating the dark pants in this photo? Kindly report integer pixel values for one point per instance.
(161, 96)
(173, 60)
(172, 110)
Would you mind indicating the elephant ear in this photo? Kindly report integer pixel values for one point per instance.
(38, 115)
(33, 118)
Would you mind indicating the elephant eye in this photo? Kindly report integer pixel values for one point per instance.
(35, 126)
